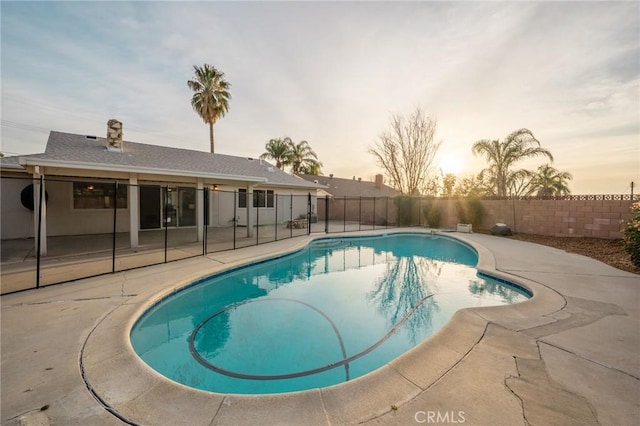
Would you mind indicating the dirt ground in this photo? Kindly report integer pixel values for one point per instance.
(610, 252)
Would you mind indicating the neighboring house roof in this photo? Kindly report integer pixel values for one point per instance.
(10, 163)
(339, 187)
(82, 152)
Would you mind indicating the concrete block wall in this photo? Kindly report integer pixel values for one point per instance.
(597, 218)
(561, 218)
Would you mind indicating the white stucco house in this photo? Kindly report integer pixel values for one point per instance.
(79, 174)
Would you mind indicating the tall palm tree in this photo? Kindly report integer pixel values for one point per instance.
(211, 95)
(502, 155)
(303, 157)
(549, 181)
(278, 150)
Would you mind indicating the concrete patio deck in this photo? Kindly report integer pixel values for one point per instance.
(570, 355)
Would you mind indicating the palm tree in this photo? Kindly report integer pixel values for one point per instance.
(521, 183)
(549, 181)
(313, 168)
(278, 150)
(502, 155)
(303, 158)
(211, 95)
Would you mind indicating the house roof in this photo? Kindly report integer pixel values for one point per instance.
(339, 187)
(81, 152)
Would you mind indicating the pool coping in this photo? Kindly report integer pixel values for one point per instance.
(130, 389)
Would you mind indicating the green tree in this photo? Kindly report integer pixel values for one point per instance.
(314, 168)
(279, 150)
(503, 155)
(632, 234)
(303, 158)
(448, 184)
(521, 183)
(474, 186)
(211, 96)
(470, 210)
(549, 181)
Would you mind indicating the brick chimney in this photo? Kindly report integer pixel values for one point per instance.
(114, 135)
(379, 181)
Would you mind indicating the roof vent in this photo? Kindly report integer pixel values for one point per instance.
(91, 137)
(331, 176)
(249, 158)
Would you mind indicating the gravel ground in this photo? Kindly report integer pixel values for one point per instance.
(610, 252)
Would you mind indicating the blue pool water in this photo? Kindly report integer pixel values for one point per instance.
(332, 312)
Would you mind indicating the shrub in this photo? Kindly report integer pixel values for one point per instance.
(404, 206)
(632, 234)
(470, 210)
(432, 214)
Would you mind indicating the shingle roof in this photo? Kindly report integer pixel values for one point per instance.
(339, 187)
(10, 162)
(80, 149)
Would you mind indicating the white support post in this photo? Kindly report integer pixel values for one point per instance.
(249, 211)
(200, 209)
(134, 210)
(42, 236)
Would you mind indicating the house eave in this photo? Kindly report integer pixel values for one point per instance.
(141, 170)
(288, 185)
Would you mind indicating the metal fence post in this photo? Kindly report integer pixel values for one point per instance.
(38, 246)
(276, 216)
(386, 213)
(258, 221)
(115, 215)
(205, 222)
(235, 215)
(344, 214)
(166, 223)
(309, 213)
(291, 217)
(374, 213)
(326, 214)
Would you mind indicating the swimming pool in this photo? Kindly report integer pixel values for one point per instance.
(338, 309)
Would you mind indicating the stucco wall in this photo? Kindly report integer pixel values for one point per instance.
(63, 219)
(17, 220)
(267, 215)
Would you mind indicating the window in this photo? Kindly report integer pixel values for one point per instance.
(98, 195)
(242, 198)
(261, 198)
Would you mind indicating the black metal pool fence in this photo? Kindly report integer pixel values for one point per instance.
(89, 227)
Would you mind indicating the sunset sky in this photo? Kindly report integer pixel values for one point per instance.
(333, 73)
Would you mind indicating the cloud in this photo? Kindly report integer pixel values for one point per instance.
(332, 74)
